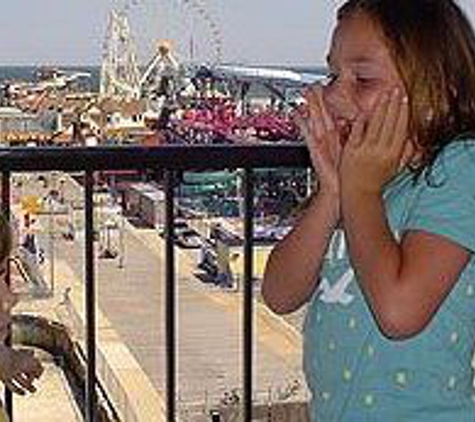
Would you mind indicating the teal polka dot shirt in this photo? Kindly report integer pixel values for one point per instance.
(354, 372)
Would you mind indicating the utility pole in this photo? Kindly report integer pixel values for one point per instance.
(53, 193)
(51, 242)
(121, 236)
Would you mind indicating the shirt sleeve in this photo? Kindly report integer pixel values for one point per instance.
(445, 202)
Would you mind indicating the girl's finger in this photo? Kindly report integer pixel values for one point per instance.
(327, 120)
(373, 132)
(31, 365)
(402, 122)
(25, 382)
(301, 110)
(388, 131)
(357, 134)
(14, 388)
(307, 134)
(316, 114)
(302, 124)
(401, 126)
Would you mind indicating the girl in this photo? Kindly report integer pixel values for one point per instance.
(383, 253)
(18, 368)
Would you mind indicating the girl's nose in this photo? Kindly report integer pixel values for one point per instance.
(339, 102)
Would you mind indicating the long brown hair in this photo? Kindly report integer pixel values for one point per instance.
(433, 46)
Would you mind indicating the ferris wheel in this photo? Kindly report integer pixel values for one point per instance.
(204, 33)
(120, 74)
(134, 63)
(203, 12)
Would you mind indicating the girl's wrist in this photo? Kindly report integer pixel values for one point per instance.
(330, 200)
(328, 195)
(357, 190)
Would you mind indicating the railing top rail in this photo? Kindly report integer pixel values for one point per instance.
(196, 157)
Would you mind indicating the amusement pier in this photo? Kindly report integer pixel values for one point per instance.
(118, 218)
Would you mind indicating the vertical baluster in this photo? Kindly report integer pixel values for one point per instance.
(6, 187)
(170, 307)
(248, 294)
(90, 300)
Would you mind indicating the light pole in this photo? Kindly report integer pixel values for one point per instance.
(121, 237)
(53, 193)
(62, 182)
(51, 242)
(108, 227)
(71, 230)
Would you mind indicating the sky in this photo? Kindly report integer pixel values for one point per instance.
(72, 32)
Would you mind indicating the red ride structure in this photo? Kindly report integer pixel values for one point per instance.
(218, 121)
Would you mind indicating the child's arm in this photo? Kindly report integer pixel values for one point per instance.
(404, 281)
(19, 369)
(291, 273)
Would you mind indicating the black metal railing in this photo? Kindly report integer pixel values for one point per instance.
(168, 159)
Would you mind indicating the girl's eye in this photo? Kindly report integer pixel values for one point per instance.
(330, 78)
(364, 81)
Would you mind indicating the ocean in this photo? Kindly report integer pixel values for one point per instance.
(27, 73)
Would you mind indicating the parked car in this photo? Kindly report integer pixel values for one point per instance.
(179, 225)
(188, 239)
(184, 236)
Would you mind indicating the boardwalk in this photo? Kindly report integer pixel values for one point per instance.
(209, 348)
(209, 319)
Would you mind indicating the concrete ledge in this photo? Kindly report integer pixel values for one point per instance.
(131, 391)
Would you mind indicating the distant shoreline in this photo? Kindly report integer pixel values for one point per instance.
(27, 71)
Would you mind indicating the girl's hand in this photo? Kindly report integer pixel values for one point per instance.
(373, 153)
(322, 139)
(19, 369)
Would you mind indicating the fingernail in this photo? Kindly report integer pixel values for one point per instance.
(405, 99)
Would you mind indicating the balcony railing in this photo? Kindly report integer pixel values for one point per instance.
(168, 159)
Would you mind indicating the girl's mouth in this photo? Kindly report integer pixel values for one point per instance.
(344, 128)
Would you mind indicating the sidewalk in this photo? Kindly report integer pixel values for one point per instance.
(209, 321)
(131, 301)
